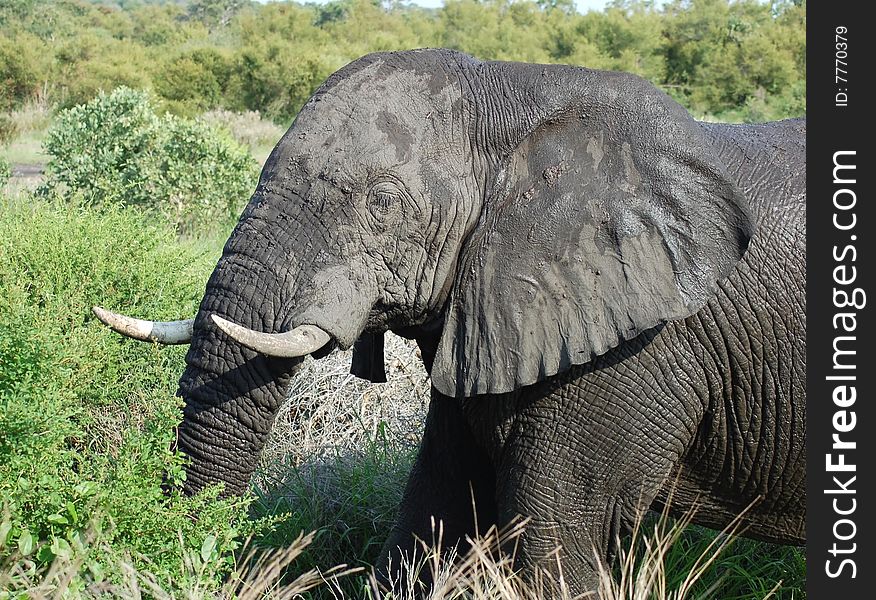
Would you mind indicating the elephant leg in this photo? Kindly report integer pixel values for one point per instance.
(451, 485)
(574, 537)
(580, 470)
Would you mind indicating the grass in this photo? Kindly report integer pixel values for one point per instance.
(30, 122)
(86, 420)
(672, 559)
(20, 188)
(338, 457)
(643, 571)
(257, 574)
(248, 128)
(26, 149)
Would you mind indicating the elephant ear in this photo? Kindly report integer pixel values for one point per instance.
(609, 216)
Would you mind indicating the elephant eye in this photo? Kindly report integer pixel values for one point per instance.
(383, 200)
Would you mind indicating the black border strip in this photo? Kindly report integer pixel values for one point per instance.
(840, 261)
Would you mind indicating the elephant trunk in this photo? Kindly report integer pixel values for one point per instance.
(232, 392)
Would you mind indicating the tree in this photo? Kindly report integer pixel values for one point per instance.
(214, 13)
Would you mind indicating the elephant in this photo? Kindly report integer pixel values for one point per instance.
(607, 294)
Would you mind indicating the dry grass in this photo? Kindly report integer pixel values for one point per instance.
(30, 122)
(331, 413)
(34, 116)
(259, 573)
(248, 128)
(339, 454)
(640, 573)
(484, 573)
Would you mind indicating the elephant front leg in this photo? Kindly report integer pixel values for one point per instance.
(450, 491)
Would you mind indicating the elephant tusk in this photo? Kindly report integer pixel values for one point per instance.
(163, 332)
(301, 341)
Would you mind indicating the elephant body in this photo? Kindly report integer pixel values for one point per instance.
(756, 376)
(608, 296)
(708, 412)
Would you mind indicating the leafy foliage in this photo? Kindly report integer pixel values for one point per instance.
(21, 68)
(5, 171)
(86, 418)
(194, 81)
(739, 59)
(117, 150)
(746, 53)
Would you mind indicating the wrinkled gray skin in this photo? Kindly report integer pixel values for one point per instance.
(608, 294)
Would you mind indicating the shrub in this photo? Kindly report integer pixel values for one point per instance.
(117, 150)
(5, 171)
(277, 80)
(87, 418)
(89, 62)
(194, 82)
(21, 68)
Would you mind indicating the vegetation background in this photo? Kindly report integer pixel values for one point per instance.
(131, 134)
(731, 60)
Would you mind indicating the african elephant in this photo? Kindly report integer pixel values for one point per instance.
(608, 295)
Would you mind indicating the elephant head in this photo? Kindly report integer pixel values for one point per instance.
(532, 216)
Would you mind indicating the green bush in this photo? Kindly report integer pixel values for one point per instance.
(5, 171)
(193, 82)
(277, 80)
(93, 61)
(22, 68)
(86, 417)
(714, 56)
(117, 150)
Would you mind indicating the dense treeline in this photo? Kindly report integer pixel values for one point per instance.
(738, 60)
